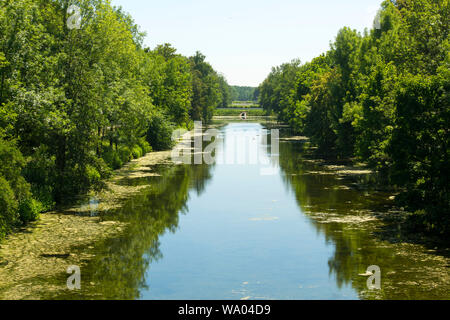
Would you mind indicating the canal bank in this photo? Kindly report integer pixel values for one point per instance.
(46, 248)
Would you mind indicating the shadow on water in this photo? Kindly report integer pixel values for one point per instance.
(118, 269)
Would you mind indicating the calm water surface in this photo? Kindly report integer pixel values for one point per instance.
(278, 228)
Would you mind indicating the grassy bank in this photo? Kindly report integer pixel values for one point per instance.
(251, 112)
(244, 104)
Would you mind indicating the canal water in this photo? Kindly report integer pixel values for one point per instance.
(265, 221)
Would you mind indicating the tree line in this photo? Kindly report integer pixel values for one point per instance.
(381, 96)
(76, 104)
(244, 93)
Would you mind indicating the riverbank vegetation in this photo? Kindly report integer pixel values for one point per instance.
(76, 104)
(381, 96)
(243, 104)
(251, 112)
(246, 94)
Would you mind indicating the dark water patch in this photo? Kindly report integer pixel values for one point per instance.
(56, 255)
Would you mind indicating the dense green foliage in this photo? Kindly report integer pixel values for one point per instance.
(77, 103)
(210, 89)
(244, 93)
(8, 207)
(381, 96)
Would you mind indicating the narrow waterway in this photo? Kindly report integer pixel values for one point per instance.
(257, 225)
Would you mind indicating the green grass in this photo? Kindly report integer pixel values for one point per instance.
(236, 112)
(244, 104)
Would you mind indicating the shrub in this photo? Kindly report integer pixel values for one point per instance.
(159, 133)
(29, 210)
(40, 173)
(125, 154)
(116, 163)
(8, 207)
(11, 164)
(137, 152)
(44, 194)
(116, 159)
(93, 176)
(145, 146)
(112, 159)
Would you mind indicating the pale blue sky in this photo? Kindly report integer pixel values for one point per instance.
(244, 39)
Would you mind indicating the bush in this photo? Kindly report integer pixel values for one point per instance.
(40, 173)
(145, 146)
(8, 207)
(93, 176)
(11, 164)
(116, 159)
(125, 154)
(44, 194)
(137, 152)
(112, 159)
(29, 210)
(159, 133)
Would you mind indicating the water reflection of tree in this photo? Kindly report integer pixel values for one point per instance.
(355, 248)
(118, 271)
